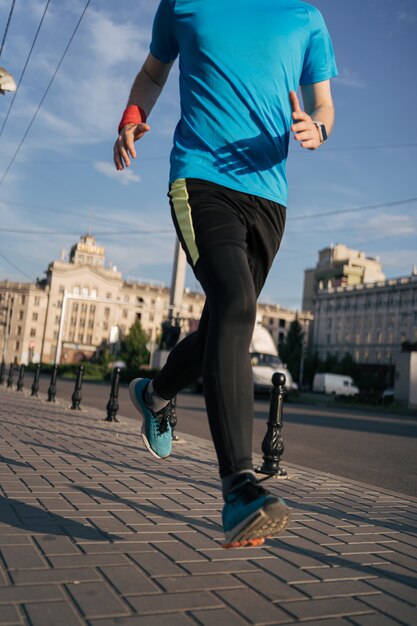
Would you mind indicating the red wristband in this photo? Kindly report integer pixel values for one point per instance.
(133, 114)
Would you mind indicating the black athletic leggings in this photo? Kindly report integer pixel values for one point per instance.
(232, 274)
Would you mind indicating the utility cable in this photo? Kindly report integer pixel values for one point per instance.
(371, 207)
(45, 93)
(24, 68)
(15, 267)
(7, 26)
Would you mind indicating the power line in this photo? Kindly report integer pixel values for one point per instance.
(7, 26)
(45, 93)
(97, 233)
(371, 207)
(15, 267)
(24, 68)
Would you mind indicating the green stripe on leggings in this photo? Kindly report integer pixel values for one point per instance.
(179, 196)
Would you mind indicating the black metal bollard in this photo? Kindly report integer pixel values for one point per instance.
(52, 384)
(21, 379)
(2, 371)
(35, 384)
(77, 395)
(10, 376)
(173, 418)
(272, 444)
(113, 404)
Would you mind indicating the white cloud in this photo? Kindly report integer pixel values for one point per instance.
(124, 177)
(349, 78)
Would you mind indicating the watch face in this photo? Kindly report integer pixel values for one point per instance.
(323, 131)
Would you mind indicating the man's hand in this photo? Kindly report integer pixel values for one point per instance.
(306, 132)
(124, 148)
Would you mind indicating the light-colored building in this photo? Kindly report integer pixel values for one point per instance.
(278, 320)
(79, 305)
(339, 266)
(369, 321)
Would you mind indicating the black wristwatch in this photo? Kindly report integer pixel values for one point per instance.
(322, 131)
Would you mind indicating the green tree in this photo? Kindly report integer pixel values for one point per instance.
(133, 350)
(290, 351)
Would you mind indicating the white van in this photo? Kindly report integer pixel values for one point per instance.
(337, 384)
(265, 361)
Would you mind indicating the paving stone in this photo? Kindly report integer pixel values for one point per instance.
(253, 606)
(97, 600)
(203, 582)
(396, 589)
(68, 575)
(165, 603)
(340, 588)
(30, 593)
(9, 615)
(22, 557)
(52, 613)
(375, 619)
(156, 564)
(129, 579)
(171, 619)
(88, 560)
(219, 617)
(330, 607)
(53, 544)
(393, 607)
(269, 586)
(218, 567)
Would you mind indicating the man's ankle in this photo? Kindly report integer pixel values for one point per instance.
(153, 400)
(228, 482)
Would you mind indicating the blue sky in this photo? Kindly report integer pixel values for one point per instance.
(63, 179)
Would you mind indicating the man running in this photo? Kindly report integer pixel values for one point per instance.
(240, 64)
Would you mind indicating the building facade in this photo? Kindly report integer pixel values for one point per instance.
(339, 266)
(81, 304)
(369, 321)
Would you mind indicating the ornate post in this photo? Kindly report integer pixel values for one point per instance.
(173, 417)
(273, 445)
(113, 403)
(35, 384)
(52, 384)
(21, 379)
(2, 371)
(10, 377)
(77, 395)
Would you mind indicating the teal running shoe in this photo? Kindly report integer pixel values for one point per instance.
(251, 514)
(156, 428)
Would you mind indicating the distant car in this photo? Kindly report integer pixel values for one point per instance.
(263, 367)
(388, 395)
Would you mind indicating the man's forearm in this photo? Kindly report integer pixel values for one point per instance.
(148, 84)
(325, 114)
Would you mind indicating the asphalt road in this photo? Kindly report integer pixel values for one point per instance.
(364, 446)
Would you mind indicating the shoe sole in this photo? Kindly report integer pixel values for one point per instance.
(263, 524)
(137, 405)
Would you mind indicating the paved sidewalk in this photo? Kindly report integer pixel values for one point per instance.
(95, 531)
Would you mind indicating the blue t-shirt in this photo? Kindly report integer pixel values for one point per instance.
(238, 61)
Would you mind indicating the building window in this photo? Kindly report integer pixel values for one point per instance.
(125, 298)
(55, 334)
(80, 337)
(82, 322)
(83, 308)
(92, 309)
(34, 317)
(151, 317)
(105, 326)
(282, 323)
(90, 323)
(94, 293)
(76, 291)
(22, 299)
(107, 312)
(61, 288)
(19, 330)
(90, 339)
(125, 313)
(36, 301)
(21, 314)
(73, 321)
(17, 345)
(33, 332)
(108, 295)
(139, 300)
(85, 291)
